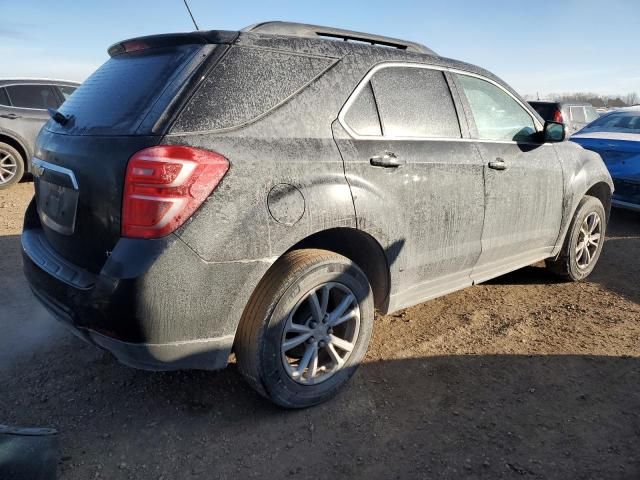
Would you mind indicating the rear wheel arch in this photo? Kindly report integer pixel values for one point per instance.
(19, 146)
(361, 248)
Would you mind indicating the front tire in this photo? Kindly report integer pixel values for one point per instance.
(583, 243)
(306, 328)
(11, 166)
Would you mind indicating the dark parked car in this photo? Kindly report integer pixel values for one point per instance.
(574, 115)
(616, 137)
(265, 191)
(23, 111)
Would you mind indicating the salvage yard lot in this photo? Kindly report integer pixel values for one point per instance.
(524, 375)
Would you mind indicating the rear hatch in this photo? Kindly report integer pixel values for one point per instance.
(125, 106)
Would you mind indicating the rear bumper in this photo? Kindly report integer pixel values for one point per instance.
(155, 304)
(204, 354)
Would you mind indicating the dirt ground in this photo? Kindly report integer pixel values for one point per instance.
(522, 377)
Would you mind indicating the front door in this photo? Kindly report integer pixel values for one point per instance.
(416, 183)
(523, 180)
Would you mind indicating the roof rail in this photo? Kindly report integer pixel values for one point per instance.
(305, 30)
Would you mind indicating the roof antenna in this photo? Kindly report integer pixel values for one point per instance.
(191, 14)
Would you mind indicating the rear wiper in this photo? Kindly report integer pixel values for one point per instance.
(60, 118)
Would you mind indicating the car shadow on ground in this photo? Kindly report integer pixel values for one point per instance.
(614, 271)
(477, 416)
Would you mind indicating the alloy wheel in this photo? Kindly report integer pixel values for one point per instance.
(589, 239)
(320, 333)
(8, 167)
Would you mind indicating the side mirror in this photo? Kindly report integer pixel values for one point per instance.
(554, 132)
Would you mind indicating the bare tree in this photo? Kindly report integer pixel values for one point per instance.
(631, 98)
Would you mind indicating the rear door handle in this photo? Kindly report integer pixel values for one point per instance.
(499, 164)
(387, 160)
(10, 116)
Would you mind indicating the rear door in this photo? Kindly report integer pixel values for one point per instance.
(416, 182)
(523, 179)
(28, 110)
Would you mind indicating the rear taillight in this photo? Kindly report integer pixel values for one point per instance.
(557, 117)
(164, 185)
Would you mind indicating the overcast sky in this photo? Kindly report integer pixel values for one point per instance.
(538, 46)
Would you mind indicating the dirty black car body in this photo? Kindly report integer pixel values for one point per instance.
(328, 178)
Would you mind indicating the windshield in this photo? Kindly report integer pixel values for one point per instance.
(623, 122)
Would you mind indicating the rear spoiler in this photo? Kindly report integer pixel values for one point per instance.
(173, 39)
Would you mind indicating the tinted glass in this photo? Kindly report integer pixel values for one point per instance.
(119, 95)
(66, 91)
(546, 110)
(577, 114)
(622, 122)
(497, 115)
(362, 116)
(415, 102)
(247, 83)
(33, 96)
(4, 99)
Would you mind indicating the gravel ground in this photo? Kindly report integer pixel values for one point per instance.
(523, 376)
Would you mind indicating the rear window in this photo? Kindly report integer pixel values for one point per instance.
(546, 110)
(38, 97)
(591, 114)
(622, 122)
(117, 97)
(247, 83)
(577, 114)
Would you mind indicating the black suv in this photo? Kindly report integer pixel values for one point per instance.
(265, 191)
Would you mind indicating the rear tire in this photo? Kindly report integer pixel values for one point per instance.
(303, 300)
(583, 243)
(11, 166)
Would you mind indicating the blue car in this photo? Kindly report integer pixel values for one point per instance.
(616, 137)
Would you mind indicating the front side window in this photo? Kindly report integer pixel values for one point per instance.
(33, 96)
(577, 114)
(498, 116)
(415, 102)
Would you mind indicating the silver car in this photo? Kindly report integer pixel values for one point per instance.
(23, 111)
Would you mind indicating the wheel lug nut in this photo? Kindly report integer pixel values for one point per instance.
(313, 325)
(330, 331)
(322, 343)
(311, 340)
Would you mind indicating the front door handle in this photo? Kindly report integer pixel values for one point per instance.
(499, 164)
(386, 160)
(10, 116)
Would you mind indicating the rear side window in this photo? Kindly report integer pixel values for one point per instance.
(4, 99)
(66, 91)
(415, 102)
(577, 114)
(33, 96)
(118, 96)
(247, 83)
(362, 116)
